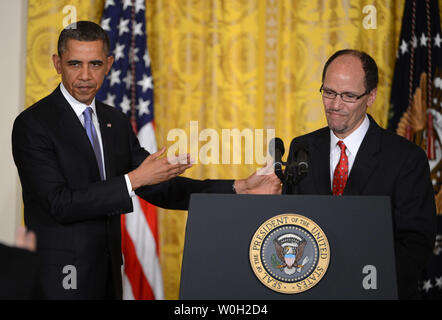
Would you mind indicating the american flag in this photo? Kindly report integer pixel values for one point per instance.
(129, 87)
(416, 108)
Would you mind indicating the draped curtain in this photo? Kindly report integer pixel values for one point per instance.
(231, 64)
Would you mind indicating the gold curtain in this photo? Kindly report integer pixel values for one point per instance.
(45, 22)
(232, 64)
(253, 64)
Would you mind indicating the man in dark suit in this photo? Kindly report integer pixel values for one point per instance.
(80, 163)
(354, 156)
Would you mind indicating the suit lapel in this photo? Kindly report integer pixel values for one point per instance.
(71, 127)
(73, 131)
(365, 162)
(320, 161)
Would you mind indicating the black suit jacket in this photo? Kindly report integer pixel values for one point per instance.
(388, 165)
(19, 274)
(75, 215)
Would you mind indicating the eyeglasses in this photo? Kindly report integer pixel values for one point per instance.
(345, 96)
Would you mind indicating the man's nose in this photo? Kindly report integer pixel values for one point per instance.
(85, 73)
(337, 101)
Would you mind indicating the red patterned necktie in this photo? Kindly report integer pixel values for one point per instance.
(341, 172)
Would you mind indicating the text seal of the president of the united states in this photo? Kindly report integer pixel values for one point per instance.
(289, 253)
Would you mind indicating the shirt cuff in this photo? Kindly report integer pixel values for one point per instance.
(129, 186)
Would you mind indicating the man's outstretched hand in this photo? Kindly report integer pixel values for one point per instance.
(155, 169)
(263, 181)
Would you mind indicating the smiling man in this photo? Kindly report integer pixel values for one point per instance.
(80, 164)
(354, 156)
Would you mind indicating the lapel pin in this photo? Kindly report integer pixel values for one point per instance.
(109, 125)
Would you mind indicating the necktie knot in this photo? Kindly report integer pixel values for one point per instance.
(88, 114)
(341, 145)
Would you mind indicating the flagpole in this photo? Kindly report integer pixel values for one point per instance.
(133, 117)
(430, 132)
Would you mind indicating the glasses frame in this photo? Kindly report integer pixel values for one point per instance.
(341, 95)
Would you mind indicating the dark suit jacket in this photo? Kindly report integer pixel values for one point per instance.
(75, 215)
(388, 165)
(19, 274)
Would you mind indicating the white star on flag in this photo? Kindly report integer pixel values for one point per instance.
(139, 5)
(138, 30)
(128, 80)
(119, 51)
(123, 26)
(146, 59)
(105, 24)
(424, 40)
(125, 104)
(146, 83)
(414, 42)
(427, 285)
(109, 3)
(126, 4)
(404, 47)
(143, 107)
(110, 99)
(437, 40)
(114, 77)
(134, 55)
(439, 282)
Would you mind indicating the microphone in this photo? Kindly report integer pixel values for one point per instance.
(302, 159)
(276, 150)
(297, 169)
(299, 156)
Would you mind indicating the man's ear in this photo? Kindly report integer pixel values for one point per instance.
(371, 97)
(110, 61)
(57, 63)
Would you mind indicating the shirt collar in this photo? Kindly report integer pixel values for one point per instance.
(76, 105)
(354, 140)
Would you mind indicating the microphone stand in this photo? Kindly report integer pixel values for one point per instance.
(294, 173)
(289, 174)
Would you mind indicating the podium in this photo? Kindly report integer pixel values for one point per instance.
(225, 233)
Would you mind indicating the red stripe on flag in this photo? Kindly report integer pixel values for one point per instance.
(141, 288)
(150, 214)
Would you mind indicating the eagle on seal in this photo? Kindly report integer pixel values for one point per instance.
(290, 253)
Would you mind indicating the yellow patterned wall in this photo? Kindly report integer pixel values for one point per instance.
(45, 22)
(231, 64)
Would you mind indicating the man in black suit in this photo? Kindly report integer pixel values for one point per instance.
(371, 161)
(79, 163)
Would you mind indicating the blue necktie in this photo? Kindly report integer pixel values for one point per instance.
(92, 134)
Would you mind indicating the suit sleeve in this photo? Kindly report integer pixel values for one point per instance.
(46, 188)
(175, 193)
(415, 221)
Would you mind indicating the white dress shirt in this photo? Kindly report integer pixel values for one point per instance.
(79, 108)
(352, 142)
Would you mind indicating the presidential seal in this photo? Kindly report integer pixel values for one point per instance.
(289, 253)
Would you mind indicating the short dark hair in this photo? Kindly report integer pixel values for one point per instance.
(368, 64)
(83, 31)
